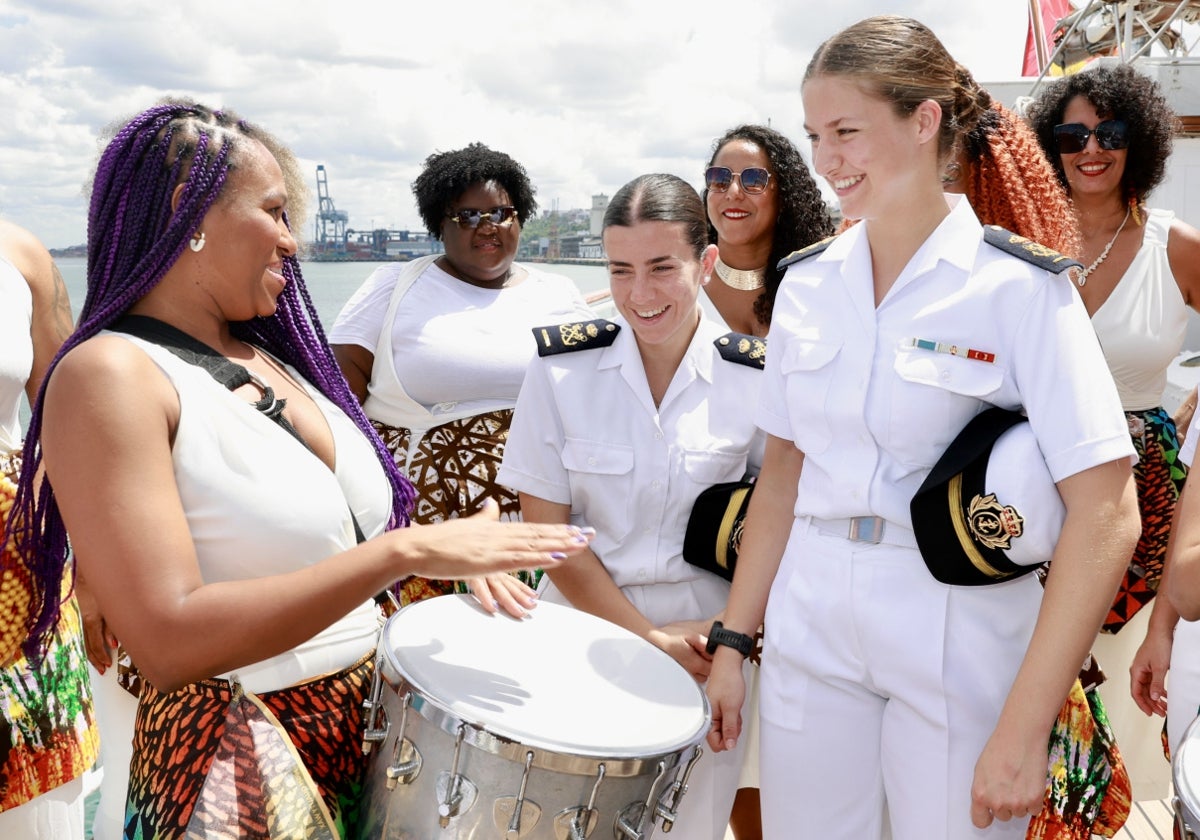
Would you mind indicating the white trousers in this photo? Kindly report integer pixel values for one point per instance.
(879, 688)
(116, 710)
(55, 815)
(1183, 683)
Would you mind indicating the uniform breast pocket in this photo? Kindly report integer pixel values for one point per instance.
(807, 366)
(932, 397)
(601, 476)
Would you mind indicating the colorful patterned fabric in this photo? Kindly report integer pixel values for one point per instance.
(48, 733)
(1088, 790)
(454, 471)
(177, 737)
(1159, 475)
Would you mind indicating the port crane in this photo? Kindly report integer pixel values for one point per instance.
(330, 234)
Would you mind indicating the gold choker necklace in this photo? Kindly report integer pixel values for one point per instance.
(741, 279)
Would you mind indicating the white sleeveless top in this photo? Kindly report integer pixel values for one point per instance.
(258, 503)
(16, 351)
(1143, 323)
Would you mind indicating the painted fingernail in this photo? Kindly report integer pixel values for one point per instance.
(557, 555)
(588, 530)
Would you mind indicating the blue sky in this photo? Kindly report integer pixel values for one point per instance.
(585, 95)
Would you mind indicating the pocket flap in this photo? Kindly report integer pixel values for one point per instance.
(950, 373)
(712, 467)
(802, 353)
(594, 457)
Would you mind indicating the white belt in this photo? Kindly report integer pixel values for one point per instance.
(866, 529)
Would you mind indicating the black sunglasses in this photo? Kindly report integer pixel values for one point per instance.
(754, 179)
(1072, 138)
(471, 219)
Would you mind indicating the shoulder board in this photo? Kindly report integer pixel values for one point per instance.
(806, 252)
(747, 350)
(580, 335)
(1028, 250)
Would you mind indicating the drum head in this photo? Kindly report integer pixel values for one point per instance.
(561, 679)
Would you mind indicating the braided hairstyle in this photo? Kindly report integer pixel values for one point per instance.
(134, 237)
(803, 216)
(447, 175)
(901, 61)
(1116, 92)
(1010, 183)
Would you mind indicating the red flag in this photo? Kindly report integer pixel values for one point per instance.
(1051, 12)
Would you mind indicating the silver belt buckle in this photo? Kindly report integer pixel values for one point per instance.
(868, 529)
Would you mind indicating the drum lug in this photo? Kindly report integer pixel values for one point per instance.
(406, 758)
(372, 709)
(512, 814)
(668, 804)
(629, 822)
(578, 823)
(455, 792)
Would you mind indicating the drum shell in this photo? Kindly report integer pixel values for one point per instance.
(493, 759)
(1185, 771)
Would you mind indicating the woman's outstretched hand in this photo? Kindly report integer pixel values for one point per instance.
(481, 545)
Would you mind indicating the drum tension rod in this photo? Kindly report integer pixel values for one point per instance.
(632, 828)
(456, 786)
(524, 814)
(406, 758)
(668, 803)
(578, 823)
(373, 708)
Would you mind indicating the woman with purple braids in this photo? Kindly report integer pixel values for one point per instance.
(226, 498)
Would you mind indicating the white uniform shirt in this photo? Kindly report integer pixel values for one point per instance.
(16, 351)
(586, 433)
(872, 413)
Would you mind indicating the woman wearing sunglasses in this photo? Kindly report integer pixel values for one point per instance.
(1108, 131)
(435, 349)
(624, 431)
(762, 204)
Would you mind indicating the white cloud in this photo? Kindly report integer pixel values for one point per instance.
(586, 96)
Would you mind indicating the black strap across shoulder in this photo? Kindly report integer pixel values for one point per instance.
(228, 373)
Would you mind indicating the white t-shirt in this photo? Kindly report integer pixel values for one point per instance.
(453, 342)
(16, 351)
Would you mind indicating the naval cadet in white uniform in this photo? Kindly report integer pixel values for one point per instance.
(882, 688)
(621, 425)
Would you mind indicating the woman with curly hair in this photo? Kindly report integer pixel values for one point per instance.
(763, 204)
(1002, 170)
(435, 349)
(1108, 133)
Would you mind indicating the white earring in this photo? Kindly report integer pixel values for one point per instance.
(197, 243)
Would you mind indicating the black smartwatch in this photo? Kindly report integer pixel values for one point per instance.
(718, 635)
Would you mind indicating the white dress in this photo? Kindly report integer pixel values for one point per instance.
(586, 433)
(879, 684)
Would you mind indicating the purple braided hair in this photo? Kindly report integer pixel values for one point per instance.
(134, 237)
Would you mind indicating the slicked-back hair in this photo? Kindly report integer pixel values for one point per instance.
(134, 237)
(1010, 183)
(1116, 92)
(660, 197)
(803, 215)
(447, 175)
(901, 61)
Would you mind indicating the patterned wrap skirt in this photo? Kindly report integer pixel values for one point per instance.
(48, 732)
(177, 735)
(1159, 475)
(453, 470)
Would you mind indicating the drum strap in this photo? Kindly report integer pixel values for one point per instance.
(228, 373)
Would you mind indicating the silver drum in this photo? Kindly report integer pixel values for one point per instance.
(560, 726)
(1185, 772)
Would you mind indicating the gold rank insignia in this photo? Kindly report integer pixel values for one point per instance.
(580, 335)
(994, 525)
(745, 350)
(806, 252)
(1028, 250)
